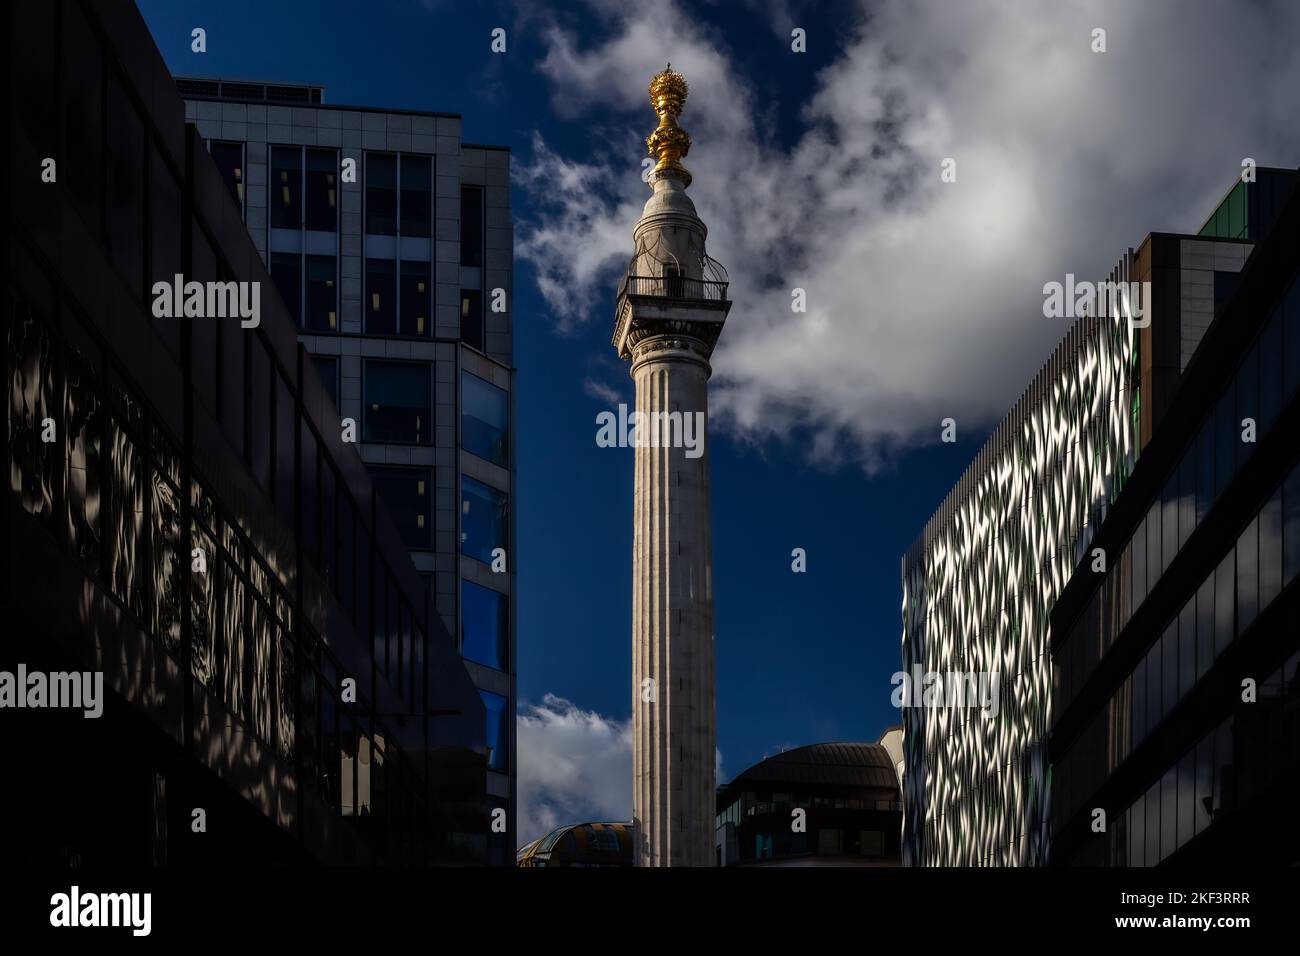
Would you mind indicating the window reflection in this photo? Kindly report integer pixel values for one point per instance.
(483, 519)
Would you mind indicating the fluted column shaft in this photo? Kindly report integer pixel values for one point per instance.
(672, 617)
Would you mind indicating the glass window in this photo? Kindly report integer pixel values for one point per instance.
(1247, 402)
(407, 494)
(1186, 498)
(1169, 522)
(1169, 668)
(471, 225)
(259, 412)
(322, 190)
(483, 519)
(1204, 626)
(1139, 545)
(1139, 702)
(497, 741)
(1270, 373)
(322, 308)
(1290, 311)
(82, 166)
(417, 298)
(126, 185)
(310, 505)
(397, 402)
(381, 296)
(229, 158)
(1204, 784)
(471, 318)
(1204, 468)
(1186, 797)
(1247, 576)
(285, 190)
(1270, 550)
(285, 442)
(483, 614)
(1154, 566)
(1136, 831)
(164, 221)
(1187, 647)
(345, 580)
(1224, 598)
(1222, 782)
(1154, 687)
(1291, 526)
(327, 367)
(1153, 825)
(381, 194)
(1227, 434)
(417, 191)
(286, 274)
(233, 339)
(1169, 813)
(484, 419)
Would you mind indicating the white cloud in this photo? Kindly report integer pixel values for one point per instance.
(602, 392)
(924, 298)
(575, 766)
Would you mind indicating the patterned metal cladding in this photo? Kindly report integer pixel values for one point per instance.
(978, 589)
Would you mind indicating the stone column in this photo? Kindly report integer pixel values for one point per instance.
(674, 724)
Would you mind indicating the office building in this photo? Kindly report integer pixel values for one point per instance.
(390, 242)
(834, 804)
(1176, 730)
(184, 517)
(980, 582)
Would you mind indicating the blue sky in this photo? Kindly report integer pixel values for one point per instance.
(819, 171)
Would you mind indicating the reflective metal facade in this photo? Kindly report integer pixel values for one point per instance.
(978, 588)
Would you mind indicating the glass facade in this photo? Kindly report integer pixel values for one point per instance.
(1215, 555)
(978, 588)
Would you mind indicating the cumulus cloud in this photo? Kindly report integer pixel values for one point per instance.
(924, 298)
(575, 766)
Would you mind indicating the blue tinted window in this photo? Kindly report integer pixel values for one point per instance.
(484, 419)
(483, 616)
(497, 741)
(483, 520)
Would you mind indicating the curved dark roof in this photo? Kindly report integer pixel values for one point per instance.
(838, 764)
(581, 844)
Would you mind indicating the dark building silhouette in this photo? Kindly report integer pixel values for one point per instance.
(183, 515)
(849, 795)
(1176, 668)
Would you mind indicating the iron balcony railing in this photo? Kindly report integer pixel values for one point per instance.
(674, 287)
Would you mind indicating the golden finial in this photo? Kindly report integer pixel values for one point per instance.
(669, 142)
